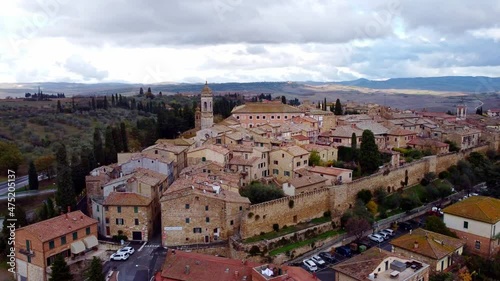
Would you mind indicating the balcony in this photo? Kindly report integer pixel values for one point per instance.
(28, 253)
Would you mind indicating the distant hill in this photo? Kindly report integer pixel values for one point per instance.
(470, 84)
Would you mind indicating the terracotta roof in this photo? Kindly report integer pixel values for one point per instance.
(430, 244)
(360, 266)
(201, 165)
(328, 170)
(295, 150)
(203, 186)
(479, 208)
(306, 181)
(376, 128)
(149, 177)
(346, 131)
(126, 199)
(316, 147)
(241, 161)
(271, 107)
(400, 132)
(176, 149)
(58, 226)
(300, 138)
(178, 141)
(216, 148)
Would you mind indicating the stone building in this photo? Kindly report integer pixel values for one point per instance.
(129, 212)
(477, 221)
(303, 184)
(200, 212)
(208, 152)
(378, 264)
(285, 160)
(435, 249)
(70, 235)
(207, 112)
(254, 114)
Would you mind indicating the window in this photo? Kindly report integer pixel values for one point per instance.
(75, 235)
(136, 209)
(119, 209)
(250, 117)
(207, 219)
(305, 162)
(287, 173)
(263, 117)
(203, 159)
(51, 244)
(258, 117)
(188, 220)
(282, 155)
(478, 245)
(98, 208)
(466, 224)
(279, 116)
(28, 245)
(107, 220)
(120, 221)
(298, 163)
(87, 231)
(241, 208)
(232, 222)
(106, 208)
(276, 172)
(197, 230)
(206, 208)
(187, 206)
(136, 221)
(275, 162)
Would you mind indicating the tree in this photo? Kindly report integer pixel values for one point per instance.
(354, 141)
(10, 158)
(380, 195)
(98, 147)
(78, 174)
(93, 104)
(356, 226)
(20, 220)
(45, 164)
(32, 177)
(141, 92)
(369, 158)
(257, 192)
(372, 207)
(60, 270)
(435, 224)
(324, 104)
(109, 147)
(365, 195)
(453, 146)
(314, 158)
(105, 102)
(283, 99)
(338, 108)
(59, 107)
(117, 139)
(123, 134)
(95, 270)
(65, 194)
(51, 211)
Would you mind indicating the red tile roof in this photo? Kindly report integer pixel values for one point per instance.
(479, 208)
(58, 226)
(328, 170)
(126, 199)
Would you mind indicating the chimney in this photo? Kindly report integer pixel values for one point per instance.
(415, 245)
(186, 269)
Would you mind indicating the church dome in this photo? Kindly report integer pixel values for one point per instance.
(206, 92)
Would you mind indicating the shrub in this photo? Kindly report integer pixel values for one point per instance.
(372, 207)
(364, 195)
(327, 214)
(276, 227)
(254, 251)
(444, 175)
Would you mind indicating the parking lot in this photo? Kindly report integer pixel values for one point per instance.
(325, 272)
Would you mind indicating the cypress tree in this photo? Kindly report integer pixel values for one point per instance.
(93, 104)
(354, 141)
(77, 174)
(369, 158)
(141, 92)
(59, 107)
(283, 99)
(51, 211)
(98, 147)
(117, 140)
(109, 147)
(60, 270)
(65, 194)
(338, 108)
(324, 105)
(113, 103)
(94, 272)
(123, 133)
(106, 103)
(32, 177)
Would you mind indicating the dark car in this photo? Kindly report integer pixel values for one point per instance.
(415, 224)
(344, 251)
(405, 226)
(328, 257)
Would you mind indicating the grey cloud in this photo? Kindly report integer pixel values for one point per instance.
(78, 66)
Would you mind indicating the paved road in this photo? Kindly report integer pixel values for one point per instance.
(29, 193)
(20, 182)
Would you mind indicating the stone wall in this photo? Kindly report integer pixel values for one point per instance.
(261, 217)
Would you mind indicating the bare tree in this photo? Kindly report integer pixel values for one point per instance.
(357, 226)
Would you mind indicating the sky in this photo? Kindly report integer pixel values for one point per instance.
(150, 41)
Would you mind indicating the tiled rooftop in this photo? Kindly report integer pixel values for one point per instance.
(480, 208)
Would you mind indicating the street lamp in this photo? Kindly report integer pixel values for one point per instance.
(139, 265)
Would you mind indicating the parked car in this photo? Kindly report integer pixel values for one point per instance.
(344, 251)
(415, 224)
(119, 256)
(327, 256)
(405, 226)
(376, 238)
(383, 234)
(128, 250)
(389, 231)
(317, 260)
(310, 265)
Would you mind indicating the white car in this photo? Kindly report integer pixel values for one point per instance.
(311, 266)
(128, 250)
(383, 235)
(119, 256)
(318, 260)
(376, 238)
(389, 231)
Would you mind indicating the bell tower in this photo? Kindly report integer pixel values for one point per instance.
(206, 105)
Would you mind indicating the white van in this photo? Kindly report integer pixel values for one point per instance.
(311, 266)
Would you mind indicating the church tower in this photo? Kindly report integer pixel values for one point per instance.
(207, 114)
(461, 111)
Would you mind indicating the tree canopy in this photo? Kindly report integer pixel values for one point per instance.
(258, 192)
(95, 270)
(60, 270)
(369, 158)
(435, 224)
(32, 177)
(65, 194)
(10, 158)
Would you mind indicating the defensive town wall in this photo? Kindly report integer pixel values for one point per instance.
(261, 217)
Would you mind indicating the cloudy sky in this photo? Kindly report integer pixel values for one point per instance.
(241, 40)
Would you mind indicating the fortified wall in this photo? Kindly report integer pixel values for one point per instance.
(261, 217)
(337, 199)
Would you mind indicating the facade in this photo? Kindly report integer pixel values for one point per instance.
(397, 137)
(207, 113)
(435, 249)
(378, 264)
(303, 184)
(70, 235)
(128, 212)
(194, 213)
(208, 152)
(334, 175)
(434, 146)
(252, 115)
(326, 153)
(477, 221)
(285, 160)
